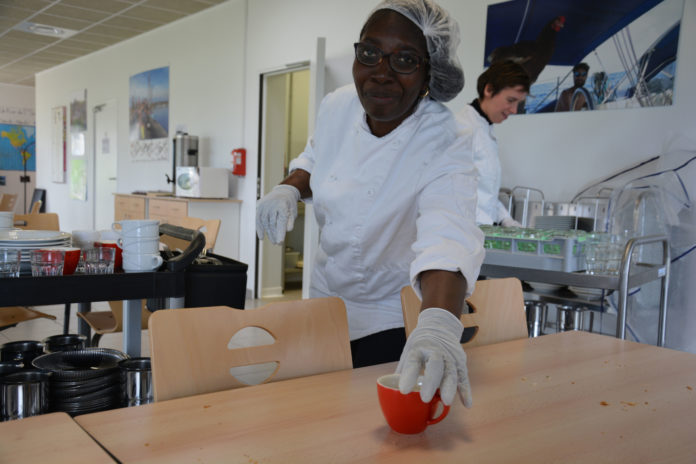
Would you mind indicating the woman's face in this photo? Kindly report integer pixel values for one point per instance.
(389, 97)
(504, 103)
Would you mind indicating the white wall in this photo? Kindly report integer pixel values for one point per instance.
(205, 55)
(559, 153)
(17, 107)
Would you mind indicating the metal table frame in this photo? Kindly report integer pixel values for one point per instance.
(84, 289)
(630, 275)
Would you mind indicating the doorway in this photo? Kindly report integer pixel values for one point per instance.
(284, 115)
(105, 163)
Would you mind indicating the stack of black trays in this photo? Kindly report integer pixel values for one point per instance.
(83, 381)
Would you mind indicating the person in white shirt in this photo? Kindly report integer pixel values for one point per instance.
(393, 188)
(500, 88)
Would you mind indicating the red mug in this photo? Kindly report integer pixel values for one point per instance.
(118, 259)
(407, 413)
(72, 259)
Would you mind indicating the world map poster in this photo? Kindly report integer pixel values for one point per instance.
(17, 147)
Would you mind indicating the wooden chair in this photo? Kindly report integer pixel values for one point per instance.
(36, 207)
(498, 311)
(190, 353)
(12, 315)
(106, 322)
(8, 201)
(37, 221)
(209, 227)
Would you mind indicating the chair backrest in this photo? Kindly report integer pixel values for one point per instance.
(36, 207)
(209, 227)
(498, 311)
(8, 201)
(39, 221)
(191, 351)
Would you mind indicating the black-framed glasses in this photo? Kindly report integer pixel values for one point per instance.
(579, 73)
(402, 61)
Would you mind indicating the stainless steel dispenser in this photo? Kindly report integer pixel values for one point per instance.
(185, 155)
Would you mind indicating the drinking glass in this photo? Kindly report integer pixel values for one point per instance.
(10, 260)
(47, 262)
(99, 260)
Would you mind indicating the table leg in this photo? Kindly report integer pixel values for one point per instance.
(82, 326)
(132, 327)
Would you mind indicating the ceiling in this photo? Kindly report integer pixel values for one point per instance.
(94, 24)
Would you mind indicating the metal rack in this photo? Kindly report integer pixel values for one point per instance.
(630, 275)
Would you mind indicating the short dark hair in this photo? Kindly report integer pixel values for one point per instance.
(584, 66)
(503, 74)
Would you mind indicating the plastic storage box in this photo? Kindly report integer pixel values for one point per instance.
(535, 249)
(216, 284)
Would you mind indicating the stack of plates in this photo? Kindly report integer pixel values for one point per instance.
(589, 293)
(27, 240)
(83, 381)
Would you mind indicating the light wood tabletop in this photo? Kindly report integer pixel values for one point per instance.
(568, 397)
(54, 438)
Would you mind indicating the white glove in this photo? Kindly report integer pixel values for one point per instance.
(435, 345)
(276, 212)
(509, 222)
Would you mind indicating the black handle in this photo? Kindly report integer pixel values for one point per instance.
(197, 239)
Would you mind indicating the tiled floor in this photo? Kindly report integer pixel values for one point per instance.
(38, 329)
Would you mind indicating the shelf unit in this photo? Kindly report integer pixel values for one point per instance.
(630, 275)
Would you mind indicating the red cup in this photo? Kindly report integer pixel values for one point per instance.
(72, 258)
(118, 259)
(407, 414)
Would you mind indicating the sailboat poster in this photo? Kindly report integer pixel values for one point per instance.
(589, 54)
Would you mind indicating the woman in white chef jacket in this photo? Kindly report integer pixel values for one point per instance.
(500, 88)
(393, 188)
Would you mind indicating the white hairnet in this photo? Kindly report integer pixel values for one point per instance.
(441, 33)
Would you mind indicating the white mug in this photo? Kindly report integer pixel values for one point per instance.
(141, 263)
(6, 219)
(139, 246)
(137, 228)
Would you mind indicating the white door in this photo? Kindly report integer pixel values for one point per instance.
(317, 70)
(105, 163)
(271, 275)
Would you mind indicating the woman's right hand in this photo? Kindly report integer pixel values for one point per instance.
(276, 212)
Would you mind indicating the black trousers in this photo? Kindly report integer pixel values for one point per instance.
(378, 348)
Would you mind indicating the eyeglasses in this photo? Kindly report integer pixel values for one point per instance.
(402, 62)
(579, 73)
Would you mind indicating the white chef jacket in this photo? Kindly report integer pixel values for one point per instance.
(388, 207)
(489, 209)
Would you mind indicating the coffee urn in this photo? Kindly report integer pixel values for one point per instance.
(185, 156)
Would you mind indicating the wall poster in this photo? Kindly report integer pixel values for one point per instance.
(17, 148)
(78, 132)
(149, 115)
(589, 54)
(58, 144)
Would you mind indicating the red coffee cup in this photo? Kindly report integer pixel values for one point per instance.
(407, 414)
(72, 259)
(118, 259)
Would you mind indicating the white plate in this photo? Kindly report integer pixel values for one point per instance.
(544, 287)
(590, 293)
(32, 236)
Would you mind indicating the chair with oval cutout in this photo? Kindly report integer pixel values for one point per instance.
(192, 353)
(8, 201)
(497, 311)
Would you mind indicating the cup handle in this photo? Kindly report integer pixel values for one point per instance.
(443, 414)
(158, 260)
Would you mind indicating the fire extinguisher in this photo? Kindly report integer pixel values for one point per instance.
(239, 161)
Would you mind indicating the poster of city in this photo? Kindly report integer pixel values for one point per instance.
(149, 115)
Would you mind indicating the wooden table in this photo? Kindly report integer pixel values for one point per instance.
(53, 438)
(568, 397)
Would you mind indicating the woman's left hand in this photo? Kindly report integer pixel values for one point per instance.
(435, 345)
